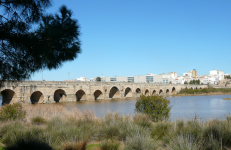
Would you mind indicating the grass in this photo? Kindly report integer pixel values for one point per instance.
(2, 147)
(93, 146)
(38, 120)
(109, 145)
(76, 130)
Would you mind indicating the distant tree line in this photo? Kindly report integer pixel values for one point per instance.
(228, 77)
(98, 79)
(193, 82)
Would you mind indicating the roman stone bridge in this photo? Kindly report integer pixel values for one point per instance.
(69, 91)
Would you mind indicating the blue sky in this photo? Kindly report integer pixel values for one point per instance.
(134, 37)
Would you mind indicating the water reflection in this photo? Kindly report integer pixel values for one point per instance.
(204, 107)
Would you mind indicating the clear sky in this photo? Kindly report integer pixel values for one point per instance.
(136, 37)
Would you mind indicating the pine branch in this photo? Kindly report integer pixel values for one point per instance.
(12, 11)
(8, 2)
(6, 54)
(4, 17)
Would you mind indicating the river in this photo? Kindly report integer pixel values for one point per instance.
(204, 107)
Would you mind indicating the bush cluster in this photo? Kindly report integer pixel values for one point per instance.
(12, 112)
(156, 107)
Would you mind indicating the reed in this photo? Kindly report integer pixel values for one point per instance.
(71, 129)
(81, 145)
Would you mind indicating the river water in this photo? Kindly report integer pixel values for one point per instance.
(186, 107)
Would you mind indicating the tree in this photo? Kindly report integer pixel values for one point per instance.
(228, 77)
(170, 82)
(185, 82)
(98, 79)
(157, 107)
(191, 82)
(31, 41)
(195, 82)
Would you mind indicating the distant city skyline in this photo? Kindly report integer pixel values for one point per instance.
(133, 37)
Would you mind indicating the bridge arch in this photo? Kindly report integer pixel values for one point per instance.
(167, 91)
(196, 87)
(36, 97)
(7, 96)
(146, 92)
(59, 95)
(174, 90)
(192, 88)
(98, 95)
(160, 92)
(80, 95)
(114, 92)
(138, 90)
(154, 92)
(128, 92)
(200, 88)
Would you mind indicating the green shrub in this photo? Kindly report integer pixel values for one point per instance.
(38, 120)
(157, 107)
(12, 112)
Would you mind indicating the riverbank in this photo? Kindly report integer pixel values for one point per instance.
(202, 92)
(226, 98)
(60, 128)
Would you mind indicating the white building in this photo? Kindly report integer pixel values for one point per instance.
(172, 74)
(216, 76)
(82, 79)
(189, 74)
(213, 72)
(149, 78)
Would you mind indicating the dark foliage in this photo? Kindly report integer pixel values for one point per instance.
(34, 144)
(98, 79)
(195, 82)
(31, 41)
(228, 77)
